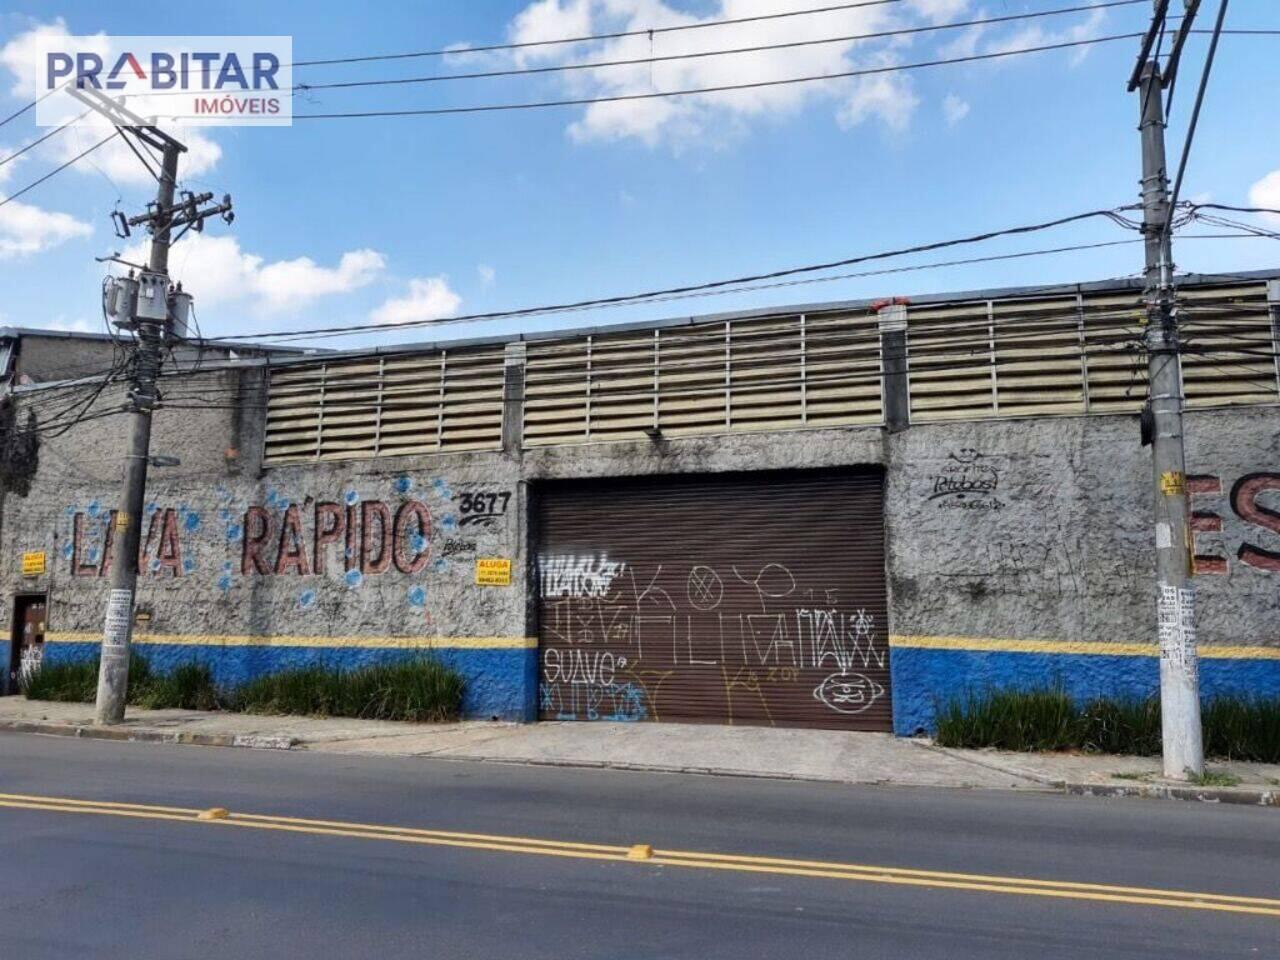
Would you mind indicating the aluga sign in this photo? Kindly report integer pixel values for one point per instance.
(202, 81)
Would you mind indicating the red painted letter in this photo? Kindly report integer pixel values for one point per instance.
(257, 527)
(292, 555)
(330, 524)
(1205, 521)
(1244, 501)
(375, 562)
(413, 509)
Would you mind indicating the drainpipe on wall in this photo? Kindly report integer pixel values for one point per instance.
(513, 398)
(1273, 300)
(893, 353)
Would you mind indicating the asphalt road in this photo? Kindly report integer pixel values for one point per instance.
(89, 884)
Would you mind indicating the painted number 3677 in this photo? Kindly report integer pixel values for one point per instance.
(482, 508)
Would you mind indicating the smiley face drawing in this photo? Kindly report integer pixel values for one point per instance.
(848, 692)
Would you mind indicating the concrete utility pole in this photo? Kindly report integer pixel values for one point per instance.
(1181, 737)
(117, 629)
(149, 309)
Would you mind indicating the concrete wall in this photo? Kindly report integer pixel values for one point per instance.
(1020, 552)
(42, 359)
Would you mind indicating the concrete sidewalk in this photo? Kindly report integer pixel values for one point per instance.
(818, 755)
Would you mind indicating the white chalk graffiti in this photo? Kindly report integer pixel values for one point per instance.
(704, 587)
(615, 631)
(584, 577)
(848, 692)
(840, 637)
(580, 666)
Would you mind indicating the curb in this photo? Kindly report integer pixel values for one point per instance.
(142, 735)
(1247, 796)
(1250, 796)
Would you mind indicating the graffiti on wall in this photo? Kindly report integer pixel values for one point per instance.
(160, 552)
(616, 633)
(410, 530)
(1255, 499)
(969, 480)
(366, 536)
(482, 508)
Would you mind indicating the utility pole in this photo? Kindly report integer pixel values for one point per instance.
(149, 308)
(1181, 737)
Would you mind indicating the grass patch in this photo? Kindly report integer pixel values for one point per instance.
(420, 690)
(1243, 728)
(1009, 720)
(74, 682)
(187, 687)
(1235, 728)
(1212, 779)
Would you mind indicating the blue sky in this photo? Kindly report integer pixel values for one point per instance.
(357, 221)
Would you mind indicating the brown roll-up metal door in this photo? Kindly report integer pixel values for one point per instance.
(741, 599)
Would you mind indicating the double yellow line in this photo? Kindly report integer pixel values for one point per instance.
(644, 854)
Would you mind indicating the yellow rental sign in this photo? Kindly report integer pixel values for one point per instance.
(33, 563)
(493, 571)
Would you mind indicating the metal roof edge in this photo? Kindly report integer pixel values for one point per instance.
(1119, 284)
(19, 332)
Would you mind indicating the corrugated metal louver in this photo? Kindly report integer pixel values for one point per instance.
(745, 375)
(385, 406)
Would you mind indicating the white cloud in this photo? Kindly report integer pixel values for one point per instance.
(939, 11)
(115, 158)
(19, 53)
(954, 109)
(1037, 36)
(218, 271)
(885, 96)
(6, 170)
(1266, 193)
(710, 117)
(26, 229)
(488, 275)
(73, 325)
(118, 162)
(429, 298)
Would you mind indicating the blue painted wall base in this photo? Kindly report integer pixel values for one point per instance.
(923, 678)
(501, 683)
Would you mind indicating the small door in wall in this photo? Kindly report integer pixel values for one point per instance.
(26, 649)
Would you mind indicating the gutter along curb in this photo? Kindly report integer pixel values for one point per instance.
(1250, 796)
(149, 735)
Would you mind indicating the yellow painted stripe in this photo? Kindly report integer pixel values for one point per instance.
(1081, 647)
(367, 643)
(850, 872)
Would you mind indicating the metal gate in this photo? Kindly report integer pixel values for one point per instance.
(747, 599)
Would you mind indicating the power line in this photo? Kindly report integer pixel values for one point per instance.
(35, 143)
(57, 170)
(1112, 215)
(720, 88)
(1195, 112)
(597, 36)
(593, 65)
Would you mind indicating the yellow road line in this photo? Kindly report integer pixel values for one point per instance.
(67, 801)
(854, 872)
(441, 834)
(976, 877)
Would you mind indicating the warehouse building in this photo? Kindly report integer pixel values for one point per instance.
(833, 515)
